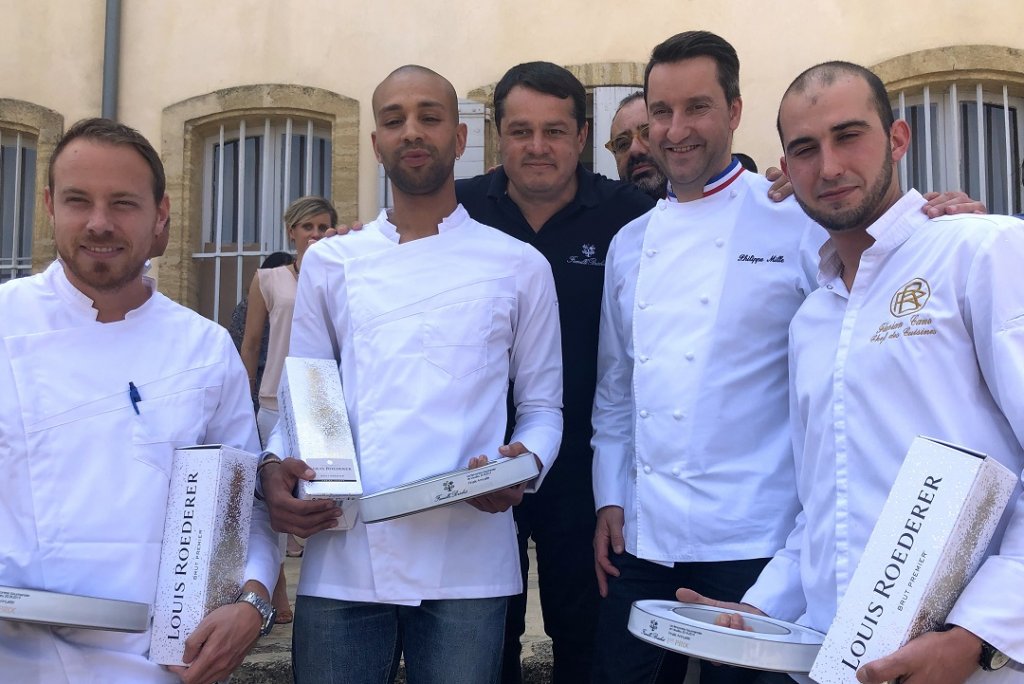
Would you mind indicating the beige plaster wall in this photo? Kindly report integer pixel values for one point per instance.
(51, 54)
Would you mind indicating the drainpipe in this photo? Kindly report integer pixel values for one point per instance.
(111, 58)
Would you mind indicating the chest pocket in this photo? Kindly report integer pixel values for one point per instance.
(166, 422)
(455, 336)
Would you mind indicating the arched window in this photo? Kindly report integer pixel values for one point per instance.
(965, 107)
(246, 154)
(28, 134)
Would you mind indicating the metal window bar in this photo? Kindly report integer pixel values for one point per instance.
(240, 183)
(219, 222)
(17, 258)
(904, 161)
(1010, 185)
(287, 177)
(954, 128)
(308, 190)
(928, 137)
(982, 165)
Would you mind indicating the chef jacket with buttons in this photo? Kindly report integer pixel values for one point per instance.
(428, 334)
(930, 341)
(86, 477)
(691, 431)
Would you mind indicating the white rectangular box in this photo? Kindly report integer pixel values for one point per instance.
(448, 488)
(317, 430)
(930, 538)
(206, 542)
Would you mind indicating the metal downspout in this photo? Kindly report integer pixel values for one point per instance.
(111, 58)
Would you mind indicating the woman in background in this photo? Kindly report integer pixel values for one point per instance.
(272, 298)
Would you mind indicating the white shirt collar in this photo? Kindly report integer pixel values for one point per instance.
(450, 222)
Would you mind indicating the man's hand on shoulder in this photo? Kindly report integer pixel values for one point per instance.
(343, 229)
(503, 499)
(221, 641)
(781, 187)
(947, 203)
(288, 513)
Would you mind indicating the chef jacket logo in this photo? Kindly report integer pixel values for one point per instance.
(588, 258)
(448, 486)
(910, 298)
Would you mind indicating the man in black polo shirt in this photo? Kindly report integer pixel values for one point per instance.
(542, 195)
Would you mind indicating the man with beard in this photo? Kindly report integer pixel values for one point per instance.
(692, 458)
(431, 315)
(629, 145)
(102, 378)
(951, 289)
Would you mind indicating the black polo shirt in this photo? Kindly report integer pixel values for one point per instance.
(575, 241)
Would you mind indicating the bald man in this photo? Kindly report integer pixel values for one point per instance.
(430, 316)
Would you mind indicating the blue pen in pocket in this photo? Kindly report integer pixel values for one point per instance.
(133, 394)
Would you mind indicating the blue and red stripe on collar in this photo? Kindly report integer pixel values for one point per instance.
(717, 183)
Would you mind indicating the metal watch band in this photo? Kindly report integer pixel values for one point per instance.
(266, 610)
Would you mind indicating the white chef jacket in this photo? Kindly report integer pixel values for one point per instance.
(428, 334)
(86, 479)
(865, 381)
(690, 415)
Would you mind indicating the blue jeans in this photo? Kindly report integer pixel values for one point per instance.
(621, 658)
(455, 641)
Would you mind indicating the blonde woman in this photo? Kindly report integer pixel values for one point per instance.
(272, 298)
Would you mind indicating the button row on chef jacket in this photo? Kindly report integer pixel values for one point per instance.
(676, 470)
(677, 414)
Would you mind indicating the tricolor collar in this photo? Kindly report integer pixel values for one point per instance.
(717, 183)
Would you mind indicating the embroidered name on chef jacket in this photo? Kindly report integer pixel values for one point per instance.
(908, 316)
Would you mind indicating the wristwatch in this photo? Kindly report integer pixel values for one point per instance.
(991, 657)
(267, 611)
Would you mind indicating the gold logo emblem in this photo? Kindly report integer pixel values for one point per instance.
(910, 298)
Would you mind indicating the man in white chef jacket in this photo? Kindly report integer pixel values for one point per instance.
(430, 315)
(918, 328)
(693, 475)
(102, 378)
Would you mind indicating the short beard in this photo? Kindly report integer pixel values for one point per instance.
(653, 183)
(655, 186)
(427, 183)
(103, 279)
(860, 216)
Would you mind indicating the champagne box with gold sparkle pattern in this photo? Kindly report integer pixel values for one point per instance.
(932, 534)
(206, 542)
(317, 430)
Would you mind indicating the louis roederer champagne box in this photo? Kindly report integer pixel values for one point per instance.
(316, 424)
(206, 542)
(929, 540)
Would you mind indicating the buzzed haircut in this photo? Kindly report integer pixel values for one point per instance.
(545, 78)
(690, 44)
(450, 94)
(632, 97)
(827, 73)
(111, 132)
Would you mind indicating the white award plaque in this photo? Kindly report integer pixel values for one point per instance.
(68, 610)
(447, 488)
(690, 629)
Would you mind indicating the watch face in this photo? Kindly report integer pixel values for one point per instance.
(998, 660)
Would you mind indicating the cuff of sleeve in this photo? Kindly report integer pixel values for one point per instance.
(264, 559)
(545, 446)
(987, 610)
